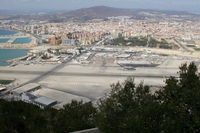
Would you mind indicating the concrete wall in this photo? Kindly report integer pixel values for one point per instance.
(93, 130)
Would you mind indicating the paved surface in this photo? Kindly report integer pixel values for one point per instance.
(52, 73)
(68, 80)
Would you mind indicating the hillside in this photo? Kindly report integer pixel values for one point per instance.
(101, 12)
(98, 12)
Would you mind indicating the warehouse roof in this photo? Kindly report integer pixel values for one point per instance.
(45, 101)
(26, 88)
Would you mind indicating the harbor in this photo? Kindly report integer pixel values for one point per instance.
(16, 40)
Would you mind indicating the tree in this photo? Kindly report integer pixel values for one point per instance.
(129, 108)
(180, 99)
(20, 117)
(75, 116)
(133, 109)
(69, 35)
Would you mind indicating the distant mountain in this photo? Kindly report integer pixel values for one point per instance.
(100, 12)
(97, 12)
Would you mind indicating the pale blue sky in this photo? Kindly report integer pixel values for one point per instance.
(184, 5)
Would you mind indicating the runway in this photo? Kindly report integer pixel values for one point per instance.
(53, 73)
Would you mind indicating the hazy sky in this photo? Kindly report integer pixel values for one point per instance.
(185, 5)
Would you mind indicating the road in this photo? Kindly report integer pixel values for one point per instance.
(42, 75)
(182, 46)
(49, 72)
(57, 67)
(102, 41)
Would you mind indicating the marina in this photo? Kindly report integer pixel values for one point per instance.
(7, 32)
(24, 40)
(14, 39)
(4, 40)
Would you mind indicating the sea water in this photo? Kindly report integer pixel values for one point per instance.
(23, 40)
(19, 40)
(7, 54)
(7, 32)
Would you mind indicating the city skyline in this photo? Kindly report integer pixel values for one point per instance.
(34, 5)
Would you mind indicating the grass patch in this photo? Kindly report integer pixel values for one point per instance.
(141, 41)
(191, 46)
(197, 49)
(6, 82)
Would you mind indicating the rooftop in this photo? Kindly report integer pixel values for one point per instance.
(26, 88)
(45, 101)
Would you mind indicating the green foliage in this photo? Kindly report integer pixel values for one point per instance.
(129, 109)
(165, 46)
(141, 41)
(181, 98)
(69, 35)
(75, 116)
(133, 41)
(197, 49)
(133, 109)
(20, 117)
(191, 46)
(58, 38)
(5, 82)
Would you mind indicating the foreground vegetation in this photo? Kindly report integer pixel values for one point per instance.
(128, 109)
(20, 117)
(173, 109)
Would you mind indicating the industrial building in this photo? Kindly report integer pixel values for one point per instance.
(28, 97)
(39, 101)
(26, 88)
(45, 101)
